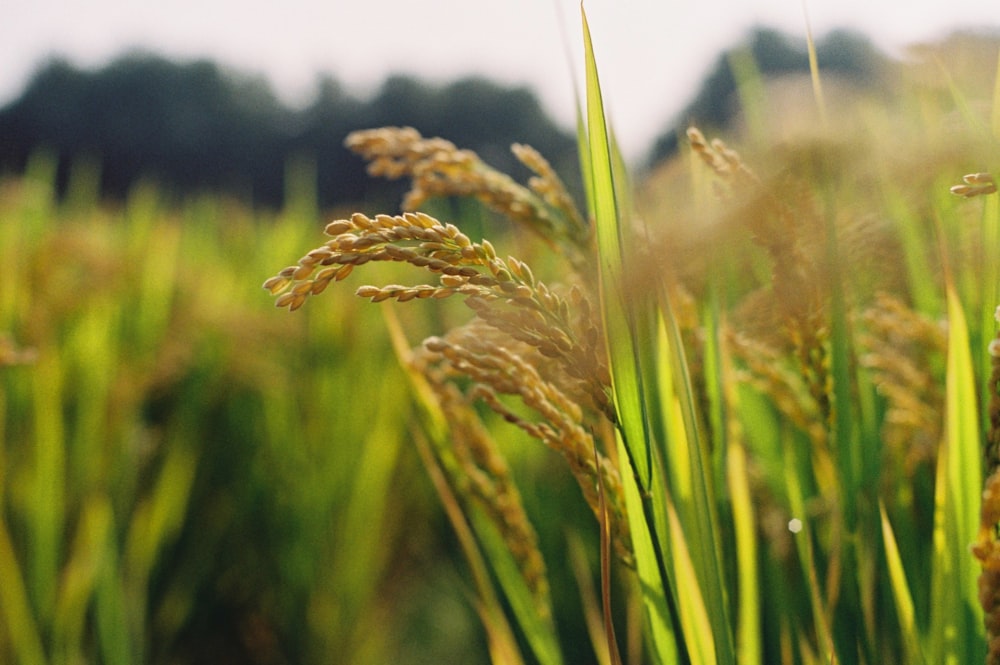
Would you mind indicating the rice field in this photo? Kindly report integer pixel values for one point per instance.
(743, 411)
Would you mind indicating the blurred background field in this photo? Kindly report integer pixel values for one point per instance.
(189, 476)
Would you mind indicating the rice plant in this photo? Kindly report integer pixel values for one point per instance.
(773, 397)
(742, 410)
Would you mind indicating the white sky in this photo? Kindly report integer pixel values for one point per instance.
(651, 53)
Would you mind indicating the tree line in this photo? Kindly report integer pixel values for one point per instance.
(196, 126)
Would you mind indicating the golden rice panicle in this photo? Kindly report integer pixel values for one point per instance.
(395, 152)
(766, 369)
(478, 472)
(504, 294)
(547, 184)
(560, 329)
(723, 160)
(899, 346)
(773, 223)
(503, 367)
(414, 238)
(780, 218)
(438, 168)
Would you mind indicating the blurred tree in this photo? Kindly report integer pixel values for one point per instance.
(196, 126)
(318, 136)
(474, 113)
(188, 126)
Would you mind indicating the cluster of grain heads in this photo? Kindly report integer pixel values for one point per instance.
(437, 168)
(503, 293)
(767, 369)
(547, 184)
(413, 238)
(499, 365)
(723, 160)
(479, 471)
(536, 344)
(900, 347)
(829, 350)
(784, 224)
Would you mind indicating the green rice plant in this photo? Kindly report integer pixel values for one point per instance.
(538, 344)
(782, 456)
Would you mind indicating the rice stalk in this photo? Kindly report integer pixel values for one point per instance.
(474, 482)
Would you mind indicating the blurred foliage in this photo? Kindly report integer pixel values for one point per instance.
(187, 475)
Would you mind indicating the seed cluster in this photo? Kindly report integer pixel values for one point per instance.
(480, 473)
(723, 160)
(538, 345)
(503, 293)
(547, 184)
(439, 169)
(413, 238)
(898, 344)
(798, 288)
(498, 367)
(766, 369)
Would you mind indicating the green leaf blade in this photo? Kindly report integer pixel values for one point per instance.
(956, 617)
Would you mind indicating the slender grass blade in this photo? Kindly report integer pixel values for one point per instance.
(956, 617)
(901, 593)
(645, 499)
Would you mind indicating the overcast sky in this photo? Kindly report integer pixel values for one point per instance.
(651, 53)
